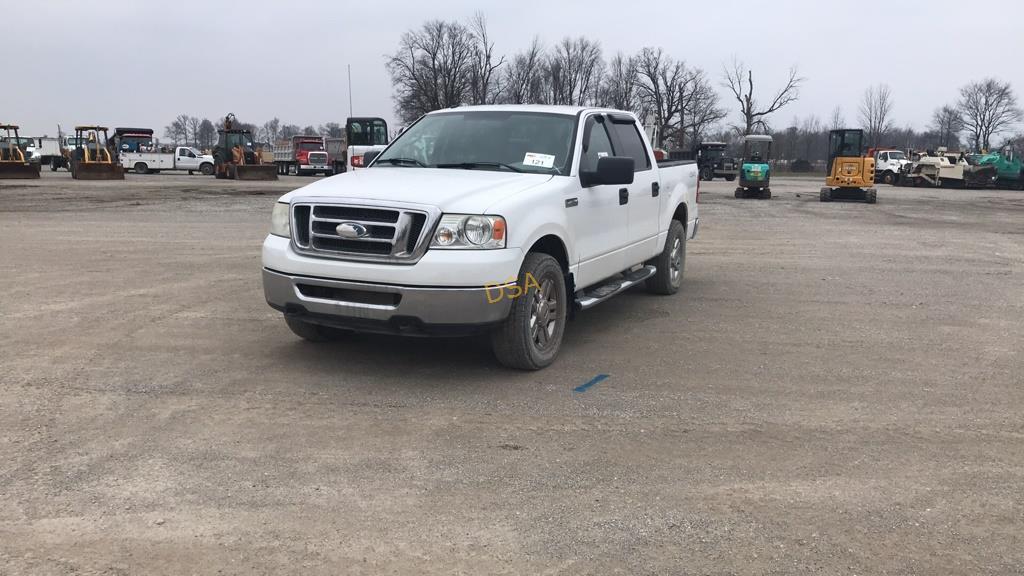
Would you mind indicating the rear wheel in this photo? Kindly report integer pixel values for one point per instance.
(766, 194)
(730, 178)
(738, 193)
(141, 168)
(671, 263)
(871, 196)
(825, 195)
(529, 339)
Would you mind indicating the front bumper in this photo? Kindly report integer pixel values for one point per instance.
(314, 167)
(387, 308)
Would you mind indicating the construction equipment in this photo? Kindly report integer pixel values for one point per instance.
(942, 168)
(13, 163)
(1009, 170)
(91, 158)
(755, 172)
(851, 172)
(236, 158)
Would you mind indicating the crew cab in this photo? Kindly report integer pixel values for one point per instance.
(503, 220)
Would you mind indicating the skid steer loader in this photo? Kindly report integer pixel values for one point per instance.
(91, 159)
(236, 158)
(13, 163)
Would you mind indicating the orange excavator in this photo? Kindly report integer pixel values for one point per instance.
(13, 163)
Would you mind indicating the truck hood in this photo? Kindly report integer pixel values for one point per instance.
(451, 190)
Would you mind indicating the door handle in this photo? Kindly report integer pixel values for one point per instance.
(655, 189)
(623, 196)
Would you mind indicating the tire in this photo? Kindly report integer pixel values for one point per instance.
(707, 174)
(730, 178)
(889, 178)
(514, 343)
(141, 168)
(739, 193)
(671, 263)
(313, 332)
(871, 196)
(825, 195)
(766, 194)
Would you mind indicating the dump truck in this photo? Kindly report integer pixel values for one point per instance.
(91, 158)
(14, 163)
(235, 156)
(302, 155)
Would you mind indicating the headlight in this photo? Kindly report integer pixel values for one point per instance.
(280, 223)
(467, 231)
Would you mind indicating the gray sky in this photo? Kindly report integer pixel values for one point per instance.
(287, 59)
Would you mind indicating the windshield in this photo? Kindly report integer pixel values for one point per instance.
(897, 156)
(315, 146)
(523, 141)
(713, 152)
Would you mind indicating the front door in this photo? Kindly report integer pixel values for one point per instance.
(597, 214)
(187, 159)
(644, 192)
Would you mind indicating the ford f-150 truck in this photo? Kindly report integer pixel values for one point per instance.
(497, 219)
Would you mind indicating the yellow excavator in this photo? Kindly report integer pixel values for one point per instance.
(91, 158)
(13, 163)
(236, 157)
(851, 173)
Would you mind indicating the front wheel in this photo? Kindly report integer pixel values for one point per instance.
(730, 178)
(706, 174)
(670, 263)
(889, 178)
(529, 339)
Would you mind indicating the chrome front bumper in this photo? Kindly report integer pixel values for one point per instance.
(386, 308)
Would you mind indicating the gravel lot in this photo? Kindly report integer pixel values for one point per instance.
(839, 388)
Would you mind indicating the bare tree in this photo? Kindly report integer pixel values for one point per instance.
(574, 71)
(876, 113)
(947, 124)
(431, 69)
(484, 85)
(524, 76)
(272, 129)
(621, 86)
(289, 130)
(177, 130)
(988, 108)
(699, 107)
(207, 134)
(661, 81)
(740, 81)
(192, 130)
(332, 130)
(837, 121)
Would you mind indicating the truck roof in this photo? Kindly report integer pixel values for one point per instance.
(539, 108)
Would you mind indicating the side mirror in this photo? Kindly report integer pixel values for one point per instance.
(370, 156)
(611, 170)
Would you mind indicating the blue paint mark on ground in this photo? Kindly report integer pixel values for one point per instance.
(594, 380)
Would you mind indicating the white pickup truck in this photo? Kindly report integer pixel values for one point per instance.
(497, 219)
(183, 158)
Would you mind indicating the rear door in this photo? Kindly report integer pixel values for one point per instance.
(644, 193)
(599, 219)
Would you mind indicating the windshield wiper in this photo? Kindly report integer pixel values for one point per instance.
(471, 165)
(402, 161)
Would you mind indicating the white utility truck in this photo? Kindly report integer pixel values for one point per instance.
(181, 158)
(504, 220)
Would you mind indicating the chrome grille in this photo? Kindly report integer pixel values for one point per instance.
(386, 234)
(318, 158)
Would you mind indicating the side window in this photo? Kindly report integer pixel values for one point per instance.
(632, 146)
(596, 147)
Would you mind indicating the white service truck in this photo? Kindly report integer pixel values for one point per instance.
(889, 164)
(182, 158)
(503, 220)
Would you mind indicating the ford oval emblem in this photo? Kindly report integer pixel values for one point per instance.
(351, 230)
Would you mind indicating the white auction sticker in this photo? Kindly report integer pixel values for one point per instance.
(542, 160)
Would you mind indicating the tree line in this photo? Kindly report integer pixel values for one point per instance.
(201, 133)
(446, 63)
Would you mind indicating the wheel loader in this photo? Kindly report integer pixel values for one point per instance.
(13, 163)
(91, 158)
(235, 157)
(851, 173)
